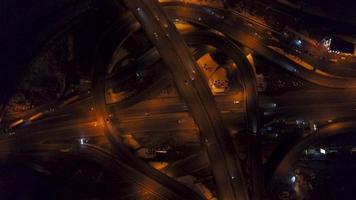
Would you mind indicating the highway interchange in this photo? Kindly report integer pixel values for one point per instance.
(195, 112)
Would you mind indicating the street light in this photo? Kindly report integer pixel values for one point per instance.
(322, 151)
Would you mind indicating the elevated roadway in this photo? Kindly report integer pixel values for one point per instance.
(232, 26)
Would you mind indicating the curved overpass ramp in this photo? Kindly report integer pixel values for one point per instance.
(227, 23)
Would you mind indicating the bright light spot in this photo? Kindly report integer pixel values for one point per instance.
(158, 165)
(323, 151)
(314, 127)
(64, 150)
(81, 141)
(232, 177)
(161, 151)
(327, 43)
(157, 18)
(36, 116)
(236, 102)
(293, 178)
(330, 120)
(16, 123)
(298, 42)
(250, 59)
(156, 35)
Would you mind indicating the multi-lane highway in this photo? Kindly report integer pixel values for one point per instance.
(337, 128)
(232, 26)
(196, 93)
(196, 116)
(127, 28)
